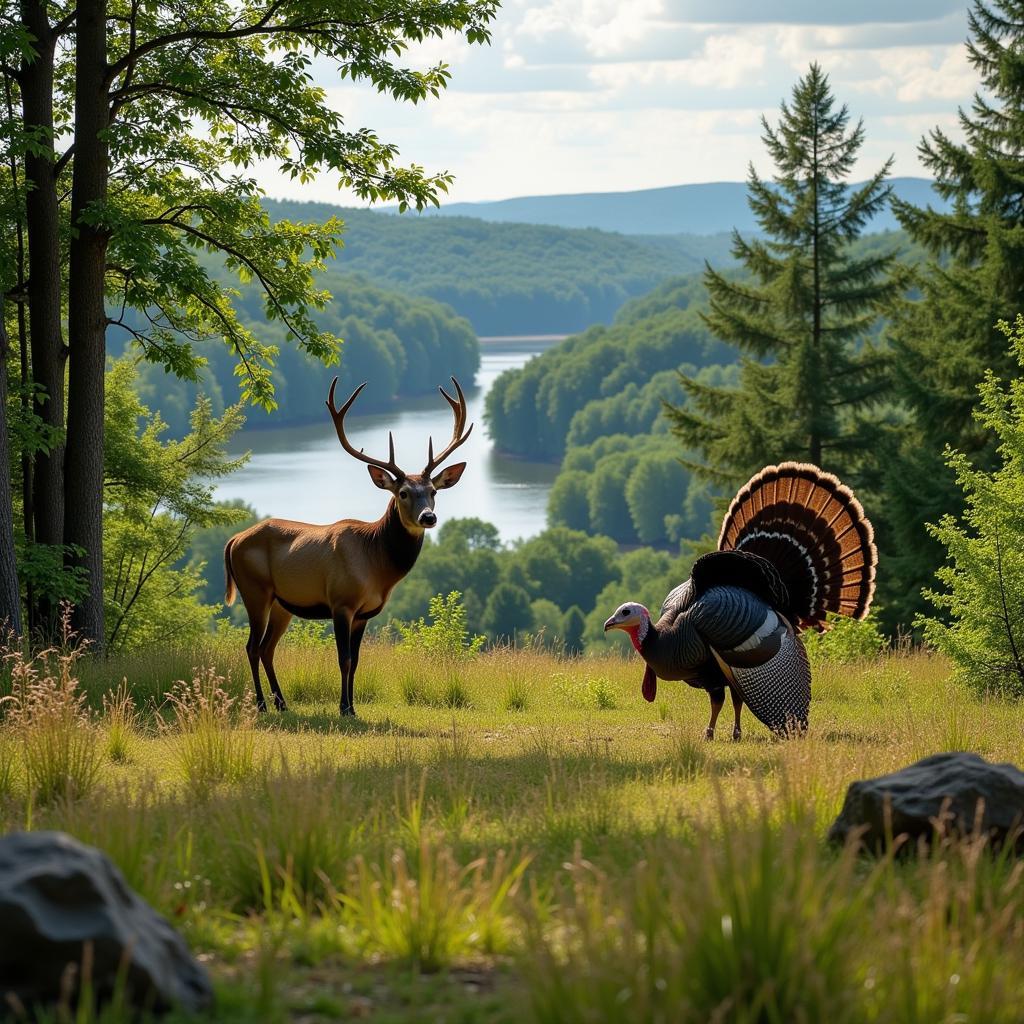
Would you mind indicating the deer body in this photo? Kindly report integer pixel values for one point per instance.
(344, 571)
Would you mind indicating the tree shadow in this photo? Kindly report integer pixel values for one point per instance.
(329, 722)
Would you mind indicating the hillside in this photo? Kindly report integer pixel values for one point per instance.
(704, 209)
(510, 278)
(390, 338)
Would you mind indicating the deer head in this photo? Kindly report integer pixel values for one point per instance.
(414, 493)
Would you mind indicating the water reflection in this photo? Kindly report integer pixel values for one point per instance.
(302, 472)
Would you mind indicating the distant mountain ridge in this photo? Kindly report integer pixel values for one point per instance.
(704, 209)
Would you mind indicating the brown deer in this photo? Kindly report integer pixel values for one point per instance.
(344, 572)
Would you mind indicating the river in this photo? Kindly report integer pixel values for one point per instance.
(303, 473)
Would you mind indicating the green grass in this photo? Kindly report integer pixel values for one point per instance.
(527, 840)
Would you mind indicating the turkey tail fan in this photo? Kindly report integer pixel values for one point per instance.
(814, 531)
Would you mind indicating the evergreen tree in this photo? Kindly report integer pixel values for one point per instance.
(945, 343)
(983, 572)
(804, 312)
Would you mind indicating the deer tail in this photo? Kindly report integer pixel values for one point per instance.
(229, 577)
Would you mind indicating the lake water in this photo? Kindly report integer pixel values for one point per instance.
(303, 473)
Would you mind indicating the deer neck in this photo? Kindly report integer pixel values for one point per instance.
(401, 546)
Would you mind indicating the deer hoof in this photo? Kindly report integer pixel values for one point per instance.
(737, 735)
(348, 712)
(709, 734)
(280, 704)
(261, 706)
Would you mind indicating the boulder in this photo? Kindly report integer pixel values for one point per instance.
(960, 791)
(57, 896)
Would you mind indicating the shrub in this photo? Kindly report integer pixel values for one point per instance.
(446, 636)
(984, 572)
(845, 641)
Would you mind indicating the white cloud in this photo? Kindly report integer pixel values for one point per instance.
(593, 95)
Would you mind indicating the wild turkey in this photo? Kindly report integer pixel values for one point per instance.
(795, 545)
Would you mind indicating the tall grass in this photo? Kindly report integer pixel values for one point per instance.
(669, 879)
(213, 732)
(47, 713)
(426, 910)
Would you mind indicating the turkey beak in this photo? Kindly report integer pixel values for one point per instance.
(610, 624)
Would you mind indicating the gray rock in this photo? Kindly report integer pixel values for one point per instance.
(56, 895)
(949, 786)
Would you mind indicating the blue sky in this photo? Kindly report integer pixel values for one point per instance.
(614, 95)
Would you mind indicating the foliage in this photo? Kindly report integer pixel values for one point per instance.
(141, 127)
(446, 636)
(845, 641)
(157, 493)
(946, 337)
(559, 567)
(983, 577)
(395, 341)
(811, 378)
(632, 488)
(508, 612)
(530, 411)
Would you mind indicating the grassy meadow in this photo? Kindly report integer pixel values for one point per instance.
(520, 837)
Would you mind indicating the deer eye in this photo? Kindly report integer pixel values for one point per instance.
(403, 494)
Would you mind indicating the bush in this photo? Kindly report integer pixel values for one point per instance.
(845, 641)
(446, 636)
(984, 573)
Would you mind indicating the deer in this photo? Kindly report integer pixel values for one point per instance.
(344, 571)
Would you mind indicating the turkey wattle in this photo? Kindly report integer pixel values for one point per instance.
(794, 546)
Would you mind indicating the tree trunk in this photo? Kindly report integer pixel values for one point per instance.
(816, 397)
(42, 222)
(87, 319)
(10, 596)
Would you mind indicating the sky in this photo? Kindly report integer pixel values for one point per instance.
(617, 95)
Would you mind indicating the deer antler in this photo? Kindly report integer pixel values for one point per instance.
(338, 415)
(458, 437)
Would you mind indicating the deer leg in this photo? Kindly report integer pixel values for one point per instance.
(258, 616)
(737, 707)
(357, 639)
(279, 619)
(343, 639)
(717, 703)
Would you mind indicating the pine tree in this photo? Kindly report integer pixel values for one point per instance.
(804, 312)
(944, 344)
(983, 572)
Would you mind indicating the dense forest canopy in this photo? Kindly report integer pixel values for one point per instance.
(393, 339)
(509, 278)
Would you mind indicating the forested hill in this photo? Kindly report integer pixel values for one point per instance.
(535, 410)
(510, 278)
(395, 340)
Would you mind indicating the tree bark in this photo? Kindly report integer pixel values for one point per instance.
(87, 319)
(10, 595)
(42, 223)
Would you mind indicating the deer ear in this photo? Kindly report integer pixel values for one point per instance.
(382, 478)
(449, 477)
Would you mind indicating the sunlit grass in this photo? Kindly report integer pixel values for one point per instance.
(532, 813)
